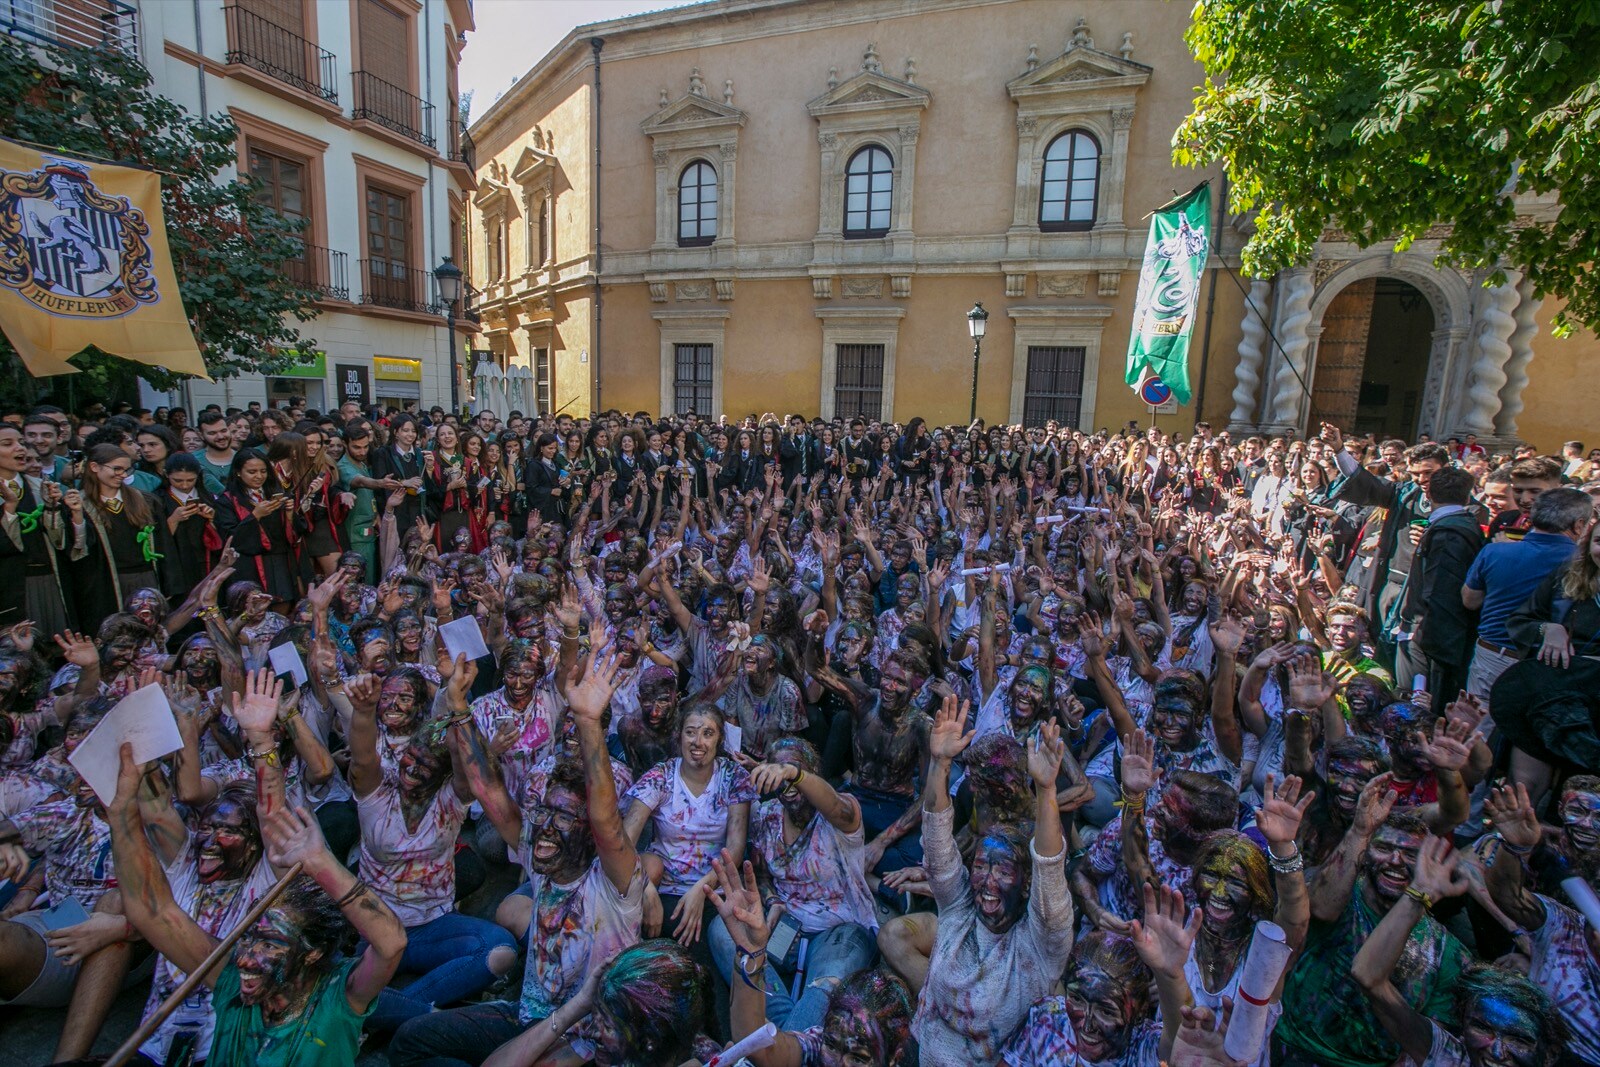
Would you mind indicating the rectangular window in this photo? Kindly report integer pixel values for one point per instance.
(541, 380)
(541, 255)
(284, 189)
(389, 248)
(858, 381)
(693, 379)
(1054, 386)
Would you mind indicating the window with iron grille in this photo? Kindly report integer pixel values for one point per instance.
(541, 380)
(692, 383)
(1071, 182)
(858, 381)
(1055, 385)
(868, 193)
(697, 205)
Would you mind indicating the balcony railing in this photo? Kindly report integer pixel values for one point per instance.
(462, 150)
(389, 285)
(323, 269)
(73, 23)
(262, 44)
(392, 108)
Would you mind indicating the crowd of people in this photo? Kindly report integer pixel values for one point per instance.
(926, 745)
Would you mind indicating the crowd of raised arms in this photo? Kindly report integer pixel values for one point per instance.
(951, 746)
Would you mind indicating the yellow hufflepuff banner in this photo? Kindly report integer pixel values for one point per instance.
(84, 261)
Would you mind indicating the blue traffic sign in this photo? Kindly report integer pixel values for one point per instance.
(1154, 391)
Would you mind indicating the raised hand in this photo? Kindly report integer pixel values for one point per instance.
(949, 737)
(322, 594)
(1046, 750)
(1450, 745)
(461, 679)
(1227, 635)
(1436, 872)
(1090, 638)
(1374, 805)
(738, 901)
(1139, 772)
(1281, 811)
(77, 649)
(591, 696)
(1167, 931)
(1509, 810)
(363, 691)
(292, 836)
(760, 579)
(1309, 686)
(257, 708)
(21, 635)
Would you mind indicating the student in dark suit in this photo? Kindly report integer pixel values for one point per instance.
(401, 459)
(547, 485)
(1442, 629)
(800, 453)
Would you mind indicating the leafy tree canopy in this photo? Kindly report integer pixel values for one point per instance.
(1386, 117)
(227, 247)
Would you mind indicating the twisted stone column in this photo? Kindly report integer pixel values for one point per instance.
(1252, 355)
(1294, 336)
(1492, 352)
(1521, 341)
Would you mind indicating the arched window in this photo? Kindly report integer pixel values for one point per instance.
(1071, 182)
(868, 193)
(697, 205)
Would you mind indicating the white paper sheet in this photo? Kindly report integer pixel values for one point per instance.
(463, 636)
(732, 737)
(285, 659)
(753, 1042)
(142, 718)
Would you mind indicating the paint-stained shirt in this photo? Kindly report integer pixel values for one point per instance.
(76, 845)
(538, 723)
(1446, 1051)
(1046, 1039)
(574, 927)
(1564, 967)
(762, 719)
(980, 984)
(689, 830)
(1327, 1017)
(413, 872)
(216, 908)
(820, 876)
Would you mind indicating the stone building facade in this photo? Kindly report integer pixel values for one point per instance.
(750, 205)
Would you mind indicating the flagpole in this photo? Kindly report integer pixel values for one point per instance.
(1211, 300)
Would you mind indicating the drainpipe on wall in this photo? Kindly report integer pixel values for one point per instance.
(596, 43)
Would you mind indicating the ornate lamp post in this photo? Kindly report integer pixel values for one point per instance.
(977, 320)
(448, 277)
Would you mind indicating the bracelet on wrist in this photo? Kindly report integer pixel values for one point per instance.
(1420, 897)
(1515, 850)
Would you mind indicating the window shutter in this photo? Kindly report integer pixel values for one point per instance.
(285, 14)
(385, 49)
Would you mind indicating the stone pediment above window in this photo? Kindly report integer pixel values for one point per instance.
(494, 192)
(871, 92)
(536, 165)
(694, 111)
(1080, 71)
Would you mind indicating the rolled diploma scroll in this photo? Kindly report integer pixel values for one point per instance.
(1263, 966)
(1582, 896)
(752, 1042)
(1001, 567)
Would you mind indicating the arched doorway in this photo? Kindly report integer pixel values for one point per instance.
(1372, 358)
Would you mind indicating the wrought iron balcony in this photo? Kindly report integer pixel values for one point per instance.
(73, 23)
(392, 108)
(470, 295)
(462, 150)
(260, 43)
(390, 285)
(323, 269)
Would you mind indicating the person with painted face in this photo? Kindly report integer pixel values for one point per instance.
(755, 697)
(586, 884)
(1327, 1019)
(523, 716)
(889, 748)
(412, 807)
(1005, 927)
(286, 995)
(809, 849)
(710, 636)
(697, 803)
(1158, 849)
(648, 736)
(1565, 957)
(1351, 762)
(867, 1018)
(1499, 1017)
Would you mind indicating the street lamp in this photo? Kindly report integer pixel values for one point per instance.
(448, 277)
(977, 320)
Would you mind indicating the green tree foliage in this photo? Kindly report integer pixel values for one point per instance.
(1385, 117)
(227, 247)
